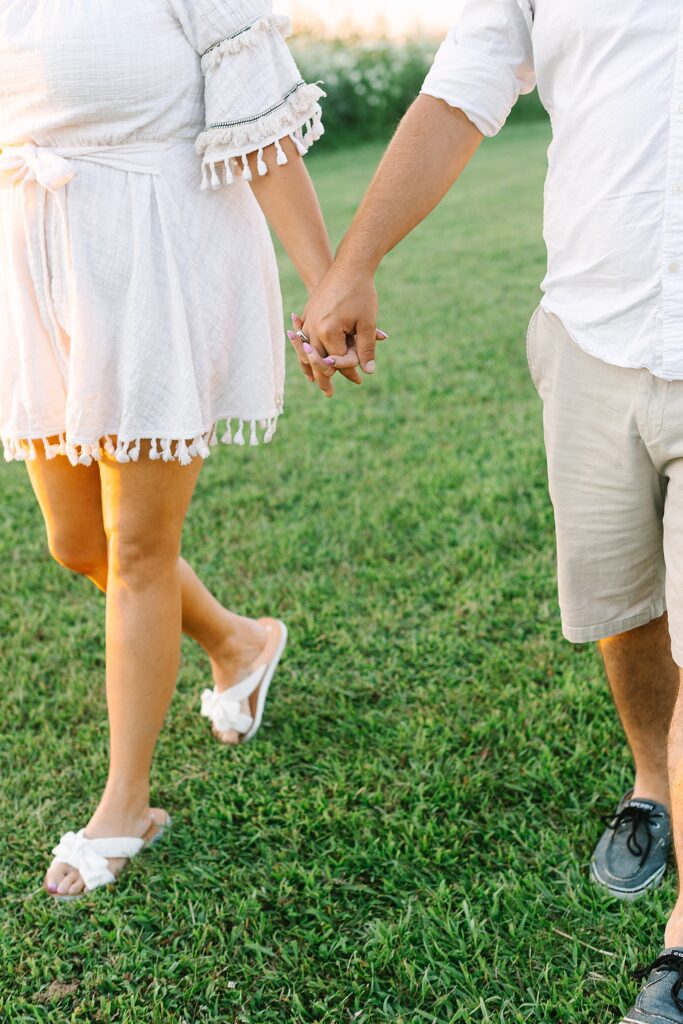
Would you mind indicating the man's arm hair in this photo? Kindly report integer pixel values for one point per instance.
(432, 146)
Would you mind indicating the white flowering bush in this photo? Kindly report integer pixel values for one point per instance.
(370, 84)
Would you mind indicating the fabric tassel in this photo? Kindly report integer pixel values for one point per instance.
(268, 436)
(298, 142)
(109, 445)
(281, 155)
(85, 458)
(239, 436)
(227, 436)
(205, 179)
(213, 437)
(121, 455)
(277, 24)
(50, 450)
(215, 180)
(201, 447)
(134, 453)
(31, 449)
(246, 169)
(229, 176)
(261, 166)
(166, 454)
(62, 445)
(182, 454)
(154, 452)
(20, 453)
(253, 440)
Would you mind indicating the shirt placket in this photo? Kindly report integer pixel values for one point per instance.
(672, 233)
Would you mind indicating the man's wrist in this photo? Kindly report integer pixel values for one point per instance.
(356, 262)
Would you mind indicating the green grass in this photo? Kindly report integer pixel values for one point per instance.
(409, 836)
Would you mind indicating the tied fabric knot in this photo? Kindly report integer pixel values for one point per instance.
(35, 163)
(74, 849)
(224, 712)
(89, 856)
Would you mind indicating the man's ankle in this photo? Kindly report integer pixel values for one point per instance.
(673, 935)
(652, 787)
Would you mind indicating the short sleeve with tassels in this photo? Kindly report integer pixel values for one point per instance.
(254, 93)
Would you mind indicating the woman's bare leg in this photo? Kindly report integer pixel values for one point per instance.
(144, 507)
(70, 498)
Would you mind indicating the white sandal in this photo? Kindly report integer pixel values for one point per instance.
(89, 856)
(229, 710)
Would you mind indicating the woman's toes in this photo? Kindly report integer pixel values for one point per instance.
(67, 882)
(77, 887)
(230, 738)
(55, 874)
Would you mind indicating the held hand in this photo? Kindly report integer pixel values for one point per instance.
(319, 369)
(339, 330)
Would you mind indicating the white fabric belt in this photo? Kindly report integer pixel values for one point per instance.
(52, 167)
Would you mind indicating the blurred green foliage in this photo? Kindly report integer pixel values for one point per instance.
(370, 84)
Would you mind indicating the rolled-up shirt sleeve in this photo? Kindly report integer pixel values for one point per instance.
(485, 62)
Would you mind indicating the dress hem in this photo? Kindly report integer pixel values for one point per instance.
(181, 449)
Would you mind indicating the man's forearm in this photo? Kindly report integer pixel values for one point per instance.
(431, 148)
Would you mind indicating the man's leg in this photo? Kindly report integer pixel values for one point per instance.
(644, 680)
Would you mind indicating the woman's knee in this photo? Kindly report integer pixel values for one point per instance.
(80, 553)
(139, 558)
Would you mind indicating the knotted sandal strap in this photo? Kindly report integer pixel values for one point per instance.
(89, 856)
(226, 710)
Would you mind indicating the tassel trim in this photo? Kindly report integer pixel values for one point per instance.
(250, 35)
(299, 116)
(237, 431)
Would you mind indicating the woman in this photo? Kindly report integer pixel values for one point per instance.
(139, 308)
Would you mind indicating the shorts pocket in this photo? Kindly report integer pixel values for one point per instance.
(530, 338)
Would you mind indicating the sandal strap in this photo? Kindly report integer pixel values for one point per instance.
(224, 712)
(89, 856)
(225, 708)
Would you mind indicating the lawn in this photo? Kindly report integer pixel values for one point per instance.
(408, 839)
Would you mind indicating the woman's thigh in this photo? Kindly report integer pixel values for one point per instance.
(144, 505)
(70, 500)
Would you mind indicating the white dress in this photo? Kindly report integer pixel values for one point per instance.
(139, 294)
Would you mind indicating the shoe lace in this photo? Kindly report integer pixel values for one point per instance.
(636, 817)
(669, 962)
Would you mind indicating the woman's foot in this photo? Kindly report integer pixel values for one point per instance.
(63, 879)
(255, 647)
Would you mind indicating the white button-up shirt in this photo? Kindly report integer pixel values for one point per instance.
(610, 75)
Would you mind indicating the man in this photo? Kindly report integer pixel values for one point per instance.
(605, 351)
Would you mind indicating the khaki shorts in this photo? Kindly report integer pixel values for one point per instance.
(614, 444)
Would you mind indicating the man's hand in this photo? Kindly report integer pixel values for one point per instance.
(339, 328)
(344, 305)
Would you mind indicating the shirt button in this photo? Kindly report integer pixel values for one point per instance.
(674, 267)
(678, 188)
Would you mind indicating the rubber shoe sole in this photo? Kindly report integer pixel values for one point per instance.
(653, 882)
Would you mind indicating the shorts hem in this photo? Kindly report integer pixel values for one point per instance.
(586, 634)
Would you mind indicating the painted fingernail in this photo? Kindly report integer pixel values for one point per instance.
(291, 335)
(330, 361)
(382, 335)
(51, 887)
(294, 318)
(370, 367)
(307, 347)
